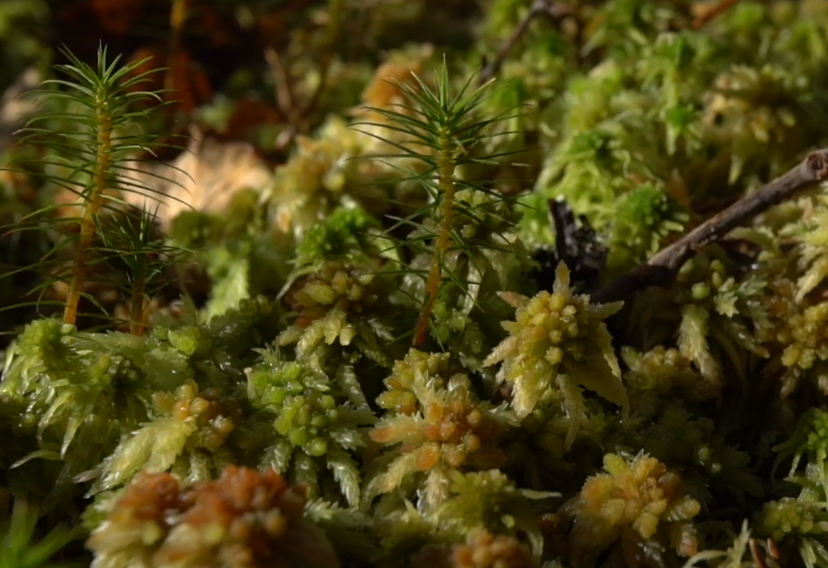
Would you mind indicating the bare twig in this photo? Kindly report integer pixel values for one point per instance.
(555, 10)
(285, 101)
(713, 12)
(297, 116)
(336, 16)
(661, 268)
(284, 91)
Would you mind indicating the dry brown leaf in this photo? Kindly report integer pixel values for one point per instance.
(204, 177)
(384, 90)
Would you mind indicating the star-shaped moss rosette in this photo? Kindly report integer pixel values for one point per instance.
(187, 435)
(558, 338)
(798, 338)
(246, 518)
(490, 501)
(658, 373)
(342, 316)
(714, 307)
(752, 110)
(313, 424)
(434, 425)
(481, 549)
(795, 527)
(674, 436)
(635, 501)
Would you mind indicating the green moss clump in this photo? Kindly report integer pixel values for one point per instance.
(393, 351)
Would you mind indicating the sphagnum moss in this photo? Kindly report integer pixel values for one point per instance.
(484, 445)
(557, 344)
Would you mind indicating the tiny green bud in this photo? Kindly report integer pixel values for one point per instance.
(316, 447)
(298, 436)
(700, 291)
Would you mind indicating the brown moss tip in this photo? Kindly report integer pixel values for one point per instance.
(245, 519)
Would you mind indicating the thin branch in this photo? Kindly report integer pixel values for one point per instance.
(336, 15)
(297, 116)
(284, 92)
(555, 10)
(661, 268)
(712, 13)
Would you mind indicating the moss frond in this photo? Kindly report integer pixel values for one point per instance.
(437, 131)
(92, 127)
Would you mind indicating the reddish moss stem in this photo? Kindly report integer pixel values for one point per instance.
(92, 204)
(137, 309)
(441, 244)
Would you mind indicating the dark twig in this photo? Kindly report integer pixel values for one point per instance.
(555, 10)
(297, 116)
(284, 92)
(713, 13)
(337, 18)
(285, 100)
(661, 268)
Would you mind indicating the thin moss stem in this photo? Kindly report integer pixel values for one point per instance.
(137, 308)
(448, 188)
(92, 205)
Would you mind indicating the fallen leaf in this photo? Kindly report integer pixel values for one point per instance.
(204, 177)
